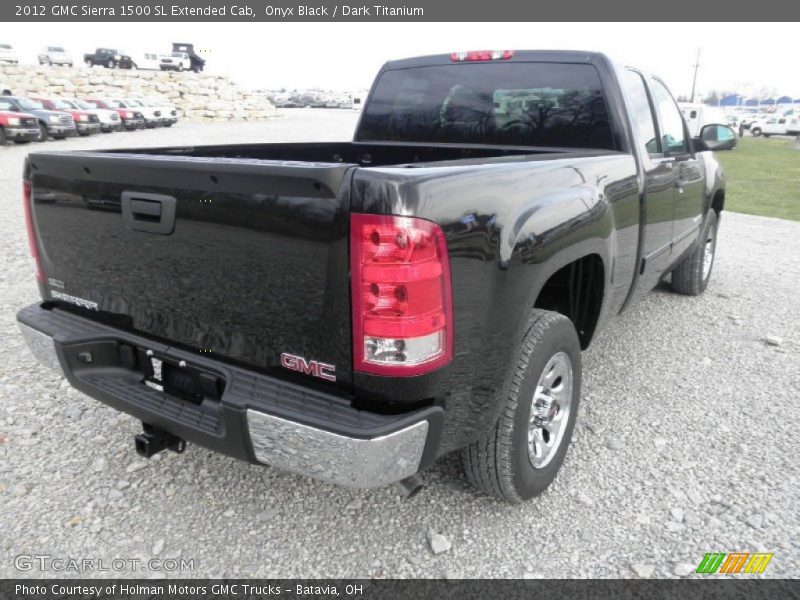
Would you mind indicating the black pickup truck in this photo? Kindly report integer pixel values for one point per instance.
(108, 58)
(353, 311)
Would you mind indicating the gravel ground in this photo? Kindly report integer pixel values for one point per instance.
(686, 443)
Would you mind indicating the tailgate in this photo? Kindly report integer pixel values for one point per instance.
(241, 259)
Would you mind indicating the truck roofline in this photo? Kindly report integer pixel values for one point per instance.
(565, 56)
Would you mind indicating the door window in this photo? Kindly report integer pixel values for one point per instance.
(641, 113)
(673, 137)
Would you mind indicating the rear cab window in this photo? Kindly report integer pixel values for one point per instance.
(492, 103)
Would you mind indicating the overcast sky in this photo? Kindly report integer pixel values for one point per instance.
(749, 57)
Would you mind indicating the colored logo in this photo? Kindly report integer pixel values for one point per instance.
(734, 562)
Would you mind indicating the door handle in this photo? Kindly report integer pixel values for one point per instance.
(152, 213)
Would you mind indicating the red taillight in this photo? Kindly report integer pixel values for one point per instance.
(26, 204)
(479, 55)
(402, 305)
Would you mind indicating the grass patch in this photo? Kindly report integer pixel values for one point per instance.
(763, 177)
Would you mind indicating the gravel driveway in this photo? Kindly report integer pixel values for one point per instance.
(686, 442)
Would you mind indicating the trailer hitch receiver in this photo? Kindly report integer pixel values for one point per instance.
(153, 440)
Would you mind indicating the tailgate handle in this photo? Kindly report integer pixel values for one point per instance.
(153, 213)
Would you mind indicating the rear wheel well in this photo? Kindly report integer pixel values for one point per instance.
(576, 291)
(718, 202)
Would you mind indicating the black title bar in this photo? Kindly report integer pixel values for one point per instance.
(505, 589)
(395, 10)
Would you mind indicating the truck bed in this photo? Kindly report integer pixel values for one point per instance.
(237, 251)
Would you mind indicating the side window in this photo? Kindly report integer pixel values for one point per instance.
(673, 139)
(641, 113)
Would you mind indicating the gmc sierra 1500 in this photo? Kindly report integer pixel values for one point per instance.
(352, 311)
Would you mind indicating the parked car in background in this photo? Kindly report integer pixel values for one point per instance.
(176, 61)
(786, 123)
(55, 55)
(131, 119)
(20, 128)
(732, 120)
(197, 63)
(85, 122)
(109, 119)
(109, 58)
(150, 61)
(8, 54)
(51, 123)
(746, 119)
(151, 114)
(169, 113)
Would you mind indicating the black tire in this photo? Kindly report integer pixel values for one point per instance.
(2, 137)
(111, 64)
(179, 68)
(688, 277)
(499, 464)
(43, 133)
(89, 64)
(756, 132)
(21, 141)
(766, 135)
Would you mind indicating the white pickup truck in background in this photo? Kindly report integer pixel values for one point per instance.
(175, 61)
(786, 123)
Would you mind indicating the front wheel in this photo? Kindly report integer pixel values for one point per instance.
(692, 275)
(523, 452)
(3, 138)
(112, 64)
(756, 132)
(43, 133)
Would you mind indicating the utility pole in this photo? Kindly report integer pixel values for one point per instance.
(694, 80)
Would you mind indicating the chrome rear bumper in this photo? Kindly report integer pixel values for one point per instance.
(346, 461)
(41, 346)
(257, 418)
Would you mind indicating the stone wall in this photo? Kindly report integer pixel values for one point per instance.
(198, 96)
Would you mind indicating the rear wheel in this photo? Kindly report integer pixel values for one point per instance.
(89, 64)
(2, 137)
(523, 452)
(112, 64)
(692, 275)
